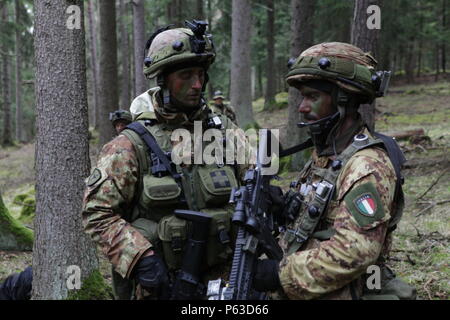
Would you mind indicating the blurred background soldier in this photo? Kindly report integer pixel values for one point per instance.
(220, 107)
(120, 119)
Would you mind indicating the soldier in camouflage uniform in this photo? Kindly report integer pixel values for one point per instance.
(220, 107)
(341, 211)
(120, 119)
(131, 196)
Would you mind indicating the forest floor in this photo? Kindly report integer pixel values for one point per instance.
(421, 251)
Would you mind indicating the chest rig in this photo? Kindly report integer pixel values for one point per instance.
(305, 226)
(164, 187)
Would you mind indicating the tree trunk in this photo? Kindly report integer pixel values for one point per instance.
(410, 62)
(94, 64)
(108, 88)
(6, 134)
(444, 42)
(19, 125)
(200, 14)
(367, 40)
(125, 51)
(269, 99)
(62, 150)
(301, 38)
(210, 27)
(241, 86)
(139, 45)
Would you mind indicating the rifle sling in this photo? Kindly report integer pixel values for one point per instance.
(305, 145)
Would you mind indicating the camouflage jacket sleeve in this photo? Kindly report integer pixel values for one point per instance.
(109, 192)
(358, 240)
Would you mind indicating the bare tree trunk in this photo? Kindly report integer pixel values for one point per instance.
(210, 27)
(62, 150)
(301, 38)
(108, 88)
(269, 99)
(139, 45)
(241, 97)
(366, 40)
(437, 64)
(94, 64)
(125, 51)
(6, 134)
(200, 14)
(410, 61)
(444, 42)
(19, 135)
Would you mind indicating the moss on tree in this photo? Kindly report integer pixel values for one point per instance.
(13, 235)
(94, 287)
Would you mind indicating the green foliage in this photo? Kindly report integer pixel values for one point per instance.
(253, 125)
(94, 287)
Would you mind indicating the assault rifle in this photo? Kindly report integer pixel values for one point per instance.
(255, 232)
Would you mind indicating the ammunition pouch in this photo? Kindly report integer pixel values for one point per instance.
(215, 184)
(173, 233)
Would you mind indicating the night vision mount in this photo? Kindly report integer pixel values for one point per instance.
(198, 27)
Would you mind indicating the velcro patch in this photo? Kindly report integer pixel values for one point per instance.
(94, 177)
(220, 179)
(364, 203)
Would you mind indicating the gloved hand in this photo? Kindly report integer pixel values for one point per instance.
(275, 200)
(266, 277)
(151, 273)
(17, 286)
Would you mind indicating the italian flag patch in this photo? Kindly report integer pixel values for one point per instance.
(366, 204)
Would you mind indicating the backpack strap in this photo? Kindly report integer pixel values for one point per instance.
(397, 159)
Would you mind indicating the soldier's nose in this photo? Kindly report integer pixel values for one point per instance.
(304, 107)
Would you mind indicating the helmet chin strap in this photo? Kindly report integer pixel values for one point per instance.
(323, 131)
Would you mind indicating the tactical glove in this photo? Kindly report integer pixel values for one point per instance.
(17, 286)
(275, 202)
(151, 273)
(266, 277)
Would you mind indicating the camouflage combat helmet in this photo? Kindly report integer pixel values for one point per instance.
(347, 66)
(218, 95)
(120, 115)
(170, 47)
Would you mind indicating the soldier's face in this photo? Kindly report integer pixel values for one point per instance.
(315, 105)
(119, 126)
(218, 101)
(185, 85)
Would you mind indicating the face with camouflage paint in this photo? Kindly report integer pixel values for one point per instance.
(185, 86)
(316, 104)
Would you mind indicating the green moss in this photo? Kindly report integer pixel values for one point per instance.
(13, 235)
(253, 125)
(20, 198)
(94, 287)
(28, 208)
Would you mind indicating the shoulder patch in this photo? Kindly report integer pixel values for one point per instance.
(364, 203)
(94, 177)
